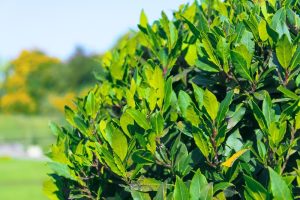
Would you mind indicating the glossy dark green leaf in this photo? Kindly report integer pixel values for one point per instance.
(240, 65)
(139, 118)
(288, 93)
(279, 188)
(259, 116)
(224, 107)
(255, 190)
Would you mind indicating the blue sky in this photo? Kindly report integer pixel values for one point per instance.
(57, 26)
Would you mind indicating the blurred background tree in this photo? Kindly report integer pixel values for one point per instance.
(35, 83)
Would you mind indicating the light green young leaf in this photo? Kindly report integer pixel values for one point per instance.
(117, 140)
(262, 30)
(136, 195)
(191, 55)
(143, 19)
(197, 186)
(192, 116)
(90, 105)
(277, 132)
(211, 104)
(181, 191)
(284, 51)
(125, 121)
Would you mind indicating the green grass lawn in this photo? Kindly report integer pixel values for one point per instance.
(26, 129)
(22, 179)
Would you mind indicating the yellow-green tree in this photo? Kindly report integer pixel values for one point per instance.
(18, 94)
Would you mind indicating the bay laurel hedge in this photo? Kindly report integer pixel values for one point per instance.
(203, 106)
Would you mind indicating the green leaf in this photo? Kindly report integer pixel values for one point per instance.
(255, 190)
(117, 140)
(207, 192)
(296, 59)
(125, 121)
(143, 19)
(288, 93)
(247, 40)
(206, 67)
(69, 114)
(278, 23)
(262, 30)
(191, 55)
(224, 107)
(148, 184)
(279, 188)
(194, 29)
(223, 51)
(277, 132)
(202, 143)
(80, 124)
(240, 65)
(90, 105)
(198, 183)
(259, 116)
(162, 192)
(136, 195)
(284, 51)
(192, 116)
(168, 94)
(56, 130)
(143, 157)
(210, 51)
(211, 104)
(139, 118)
(267, 110)
(236, 116)
(222, 186)
(157, 122)
(61, 170)
(50, 189)
(181, 191)
(199, 94)
(184, 100)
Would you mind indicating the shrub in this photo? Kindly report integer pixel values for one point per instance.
(199, 107)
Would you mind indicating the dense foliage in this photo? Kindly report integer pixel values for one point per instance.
(204, 106)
